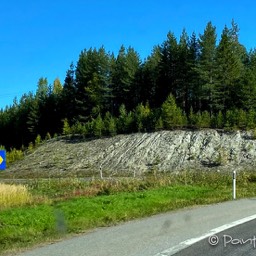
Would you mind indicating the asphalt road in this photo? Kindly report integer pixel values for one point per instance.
(158, 235)
(237, 241)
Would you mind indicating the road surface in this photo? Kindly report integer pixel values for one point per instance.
(236, 241)
(157, 235)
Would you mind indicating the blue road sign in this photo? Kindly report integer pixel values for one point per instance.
(2, 159)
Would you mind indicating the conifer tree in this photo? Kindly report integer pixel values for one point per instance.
(182, 71)
(207, 67)
(219, 120)
(150, 77)
(167, 79)
(142, 115)
(172, 115)
(57, 87)
(124, 73)
(98, 126)
(125, 122)
(110, 124)
(230, 68)
(92, 83)
(68, 105)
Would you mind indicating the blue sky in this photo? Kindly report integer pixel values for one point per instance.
(40, 38)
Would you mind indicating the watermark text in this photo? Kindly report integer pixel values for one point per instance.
(229, 240)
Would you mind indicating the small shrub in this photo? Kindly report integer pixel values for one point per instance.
(159, 124)
(13, 156)
(30, 147)
(254, 134)
(48, 136)
(66, 130)
(79, 128)
(222, 158)
(38, 140)
(252, 178)
(110, 124)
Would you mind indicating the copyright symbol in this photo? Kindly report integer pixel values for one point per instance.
(213, 240)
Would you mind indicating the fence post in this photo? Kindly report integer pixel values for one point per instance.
(101, 176)
(234, 185)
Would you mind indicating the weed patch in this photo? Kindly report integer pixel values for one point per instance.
(14, 195)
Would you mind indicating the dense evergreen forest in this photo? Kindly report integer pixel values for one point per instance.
(191, 82)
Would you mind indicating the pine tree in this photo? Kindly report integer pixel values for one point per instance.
(68, 104)
(150, 76)
(124, 73)
(183, 73)
(93, 90)
(42, 89)
(247, 90)
(207, 67)
(194, 89)
(230, 68)
(167, 79)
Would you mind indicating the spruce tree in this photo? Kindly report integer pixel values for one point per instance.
(98, 126)
(110, 124)
(142, 115)
(172, 115)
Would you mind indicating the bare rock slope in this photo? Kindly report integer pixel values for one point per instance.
(141, 152)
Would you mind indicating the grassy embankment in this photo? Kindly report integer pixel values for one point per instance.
(50, 209)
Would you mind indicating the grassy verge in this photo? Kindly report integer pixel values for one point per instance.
(62, 207)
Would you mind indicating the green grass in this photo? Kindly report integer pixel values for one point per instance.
(62, 207)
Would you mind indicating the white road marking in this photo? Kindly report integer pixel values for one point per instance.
(189, 242)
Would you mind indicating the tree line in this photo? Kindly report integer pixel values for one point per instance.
(192, 82)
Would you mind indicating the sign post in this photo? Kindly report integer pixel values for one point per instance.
(2, 160)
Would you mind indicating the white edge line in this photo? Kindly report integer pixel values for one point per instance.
(189, 242)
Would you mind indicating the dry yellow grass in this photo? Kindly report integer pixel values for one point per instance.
(13, 195)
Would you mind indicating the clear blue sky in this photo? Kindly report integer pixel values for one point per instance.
(40, 38)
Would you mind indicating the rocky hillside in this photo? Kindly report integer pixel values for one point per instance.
(140, 152)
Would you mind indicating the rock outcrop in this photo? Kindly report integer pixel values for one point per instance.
(141, 152)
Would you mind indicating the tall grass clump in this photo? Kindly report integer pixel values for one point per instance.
(13, 195)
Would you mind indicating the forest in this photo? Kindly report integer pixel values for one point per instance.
(192, 82)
